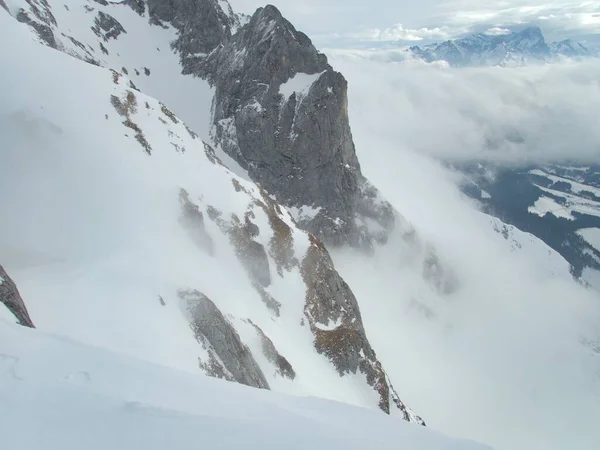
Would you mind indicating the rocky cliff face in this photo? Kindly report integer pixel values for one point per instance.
(281, 111)
(335, 320)
(202, 25)
(229, 358)
(40, 18)
(9, 295)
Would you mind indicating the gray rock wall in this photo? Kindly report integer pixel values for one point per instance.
(10, 296)
(298, 148)
(229, 357)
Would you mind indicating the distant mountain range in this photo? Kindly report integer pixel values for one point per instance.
(508, 50)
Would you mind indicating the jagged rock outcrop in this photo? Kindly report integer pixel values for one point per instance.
(229, 358)
(281, 111)
(202, 25)
(192, 220)
(42, 21)
(335, 320)
(3, 5)
(9, 295)
(107, 27)
(331, 309)
(282, 365)
(139, 6)
(507, 50)
(252, 254)
(294, 138)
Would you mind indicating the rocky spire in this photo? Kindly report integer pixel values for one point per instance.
(281, 111)
(10, 297)
(202, 25)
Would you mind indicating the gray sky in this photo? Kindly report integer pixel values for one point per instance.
(354, 21)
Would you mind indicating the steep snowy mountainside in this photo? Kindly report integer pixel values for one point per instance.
(115, 36)
(127, 232)
(304, 139)
(59, 394)
(509, 50)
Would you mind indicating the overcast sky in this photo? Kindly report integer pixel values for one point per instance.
(350, 22)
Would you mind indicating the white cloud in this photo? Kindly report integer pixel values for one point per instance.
(497, 31)
(399, 33)
(571, 15)
(536, 113)
(431, 19)
(499, 361)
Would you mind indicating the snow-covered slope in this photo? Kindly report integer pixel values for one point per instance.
(113, 35)
(58, 394)
(126, 232)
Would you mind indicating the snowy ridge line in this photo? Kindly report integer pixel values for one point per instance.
(152, 407)
(172, 226)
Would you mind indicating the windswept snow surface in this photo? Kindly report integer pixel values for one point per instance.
(91, 234)
(59, 394)
(143, 52)
(592, 236)
(300, 83)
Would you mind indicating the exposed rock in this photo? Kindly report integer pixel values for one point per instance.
(42, 29)
(335, 320)
(282, 365)
(268, 299)
(298, 146)
(252, 254)
(229, 357)
(192, 220)
(202, 25)
(139, 6)
(281, 246)
(9, 295)
(126, 107)
(4, 6)
(85, 54)
(107, 27)
(42, 11)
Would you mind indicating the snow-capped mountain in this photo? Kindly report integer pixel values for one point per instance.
(167, 255)
(508, 50)
(560, 204)
(183, 188)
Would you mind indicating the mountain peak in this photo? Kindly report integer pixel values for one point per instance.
(517, 48)
(269, 10)
(531, 32)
